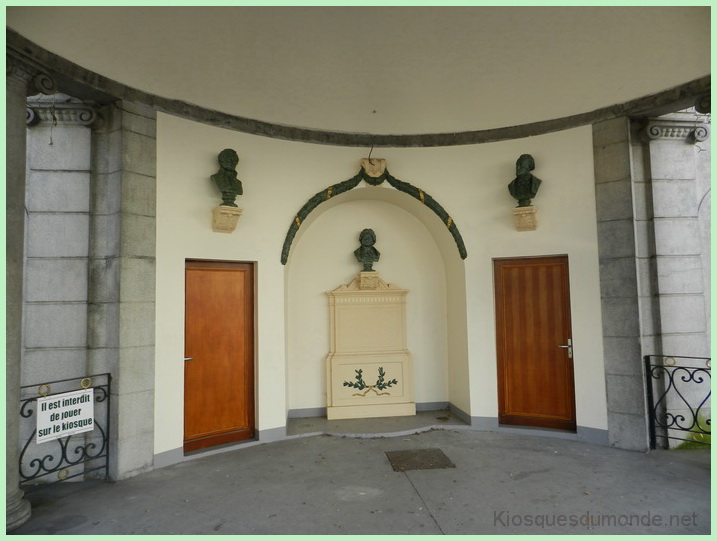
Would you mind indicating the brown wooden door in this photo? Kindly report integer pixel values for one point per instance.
(535, 374)
(219, 353)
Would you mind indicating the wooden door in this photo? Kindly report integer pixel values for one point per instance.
(535, 369)
(219, 353)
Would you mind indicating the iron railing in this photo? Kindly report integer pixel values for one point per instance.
(85, 454)
(678, 400)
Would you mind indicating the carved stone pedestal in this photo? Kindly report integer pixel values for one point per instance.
(525, 218)
(225, 218)
(369, 371)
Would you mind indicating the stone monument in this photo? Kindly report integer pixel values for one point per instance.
(369, 370)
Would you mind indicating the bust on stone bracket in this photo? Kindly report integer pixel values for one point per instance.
(226, 216)
(524, 187)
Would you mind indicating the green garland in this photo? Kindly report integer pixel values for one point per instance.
(350, 184)
(380, 384)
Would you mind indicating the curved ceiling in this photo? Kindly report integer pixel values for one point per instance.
(383, 70)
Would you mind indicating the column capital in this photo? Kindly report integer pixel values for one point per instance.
(60, 108)
(26, 73)
(674, 128)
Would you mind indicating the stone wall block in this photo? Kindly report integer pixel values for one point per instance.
(682, 314)
(135, 411)
(625, 394)
(55, 325)
(61, 148)
(640, 161)
(103, 360)
(686, 344)
(644, 239)
(646, 277)
(680, 274)
(675, 198)
(623, 355)
(137, 369)
(58, 191)
(137, 279)
(642, 201)
(612, 131)
(103, 328)
(106, 152)
(107, 193)
(69, 151)
(618, 277)
(614, 200)
(43, 365)
(104, 274)
(139, 154)
(651, 345)
(612, 162)
(106, 236)
(677, 236)
(649, 315)
(56, 280)
(138, 235)
(620, 317)
(139, 194)
(627, 431)
(672, 160)
(134, 327)
(139, 119)
(57, 235)
(616, 239)
(135, 457)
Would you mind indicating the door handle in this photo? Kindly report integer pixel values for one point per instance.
(189, 358)
(569, 347)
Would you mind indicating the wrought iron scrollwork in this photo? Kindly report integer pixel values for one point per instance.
(679, 398)
(85, 452)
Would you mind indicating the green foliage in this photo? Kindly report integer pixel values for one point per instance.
(701, 438)
(360, 383)
(381, 382)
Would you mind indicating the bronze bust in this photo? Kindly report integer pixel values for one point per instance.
(525, 186)
(366, 253)
(226, 178)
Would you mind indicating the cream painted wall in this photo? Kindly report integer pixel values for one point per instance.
(470, 182)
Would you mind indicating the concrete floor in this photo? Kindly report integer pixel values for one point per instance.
(338, 484)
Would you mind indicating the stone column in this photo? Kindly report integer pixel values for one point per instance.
(19, 78)
(122, 278)
(624, 281)
(678, 247)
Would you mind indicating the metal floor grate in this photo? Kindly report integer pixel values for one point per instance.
(419, 459)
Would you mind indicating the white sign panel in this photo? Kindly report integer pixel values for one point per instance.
(65, 414)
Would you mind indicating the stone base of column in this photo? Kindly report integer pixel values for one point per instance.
(17, 511)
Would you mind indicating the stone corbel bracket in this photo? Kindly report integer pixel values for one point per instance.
(525, 218)
(225, 218)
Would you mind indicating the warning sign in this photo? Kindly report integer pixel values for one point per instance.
(65, 414)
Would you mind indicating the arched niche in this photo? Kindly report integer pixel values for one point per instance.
(418, 253)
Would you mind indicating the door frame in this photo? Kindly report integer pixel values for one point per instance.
(219, 264)
(569, 425)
